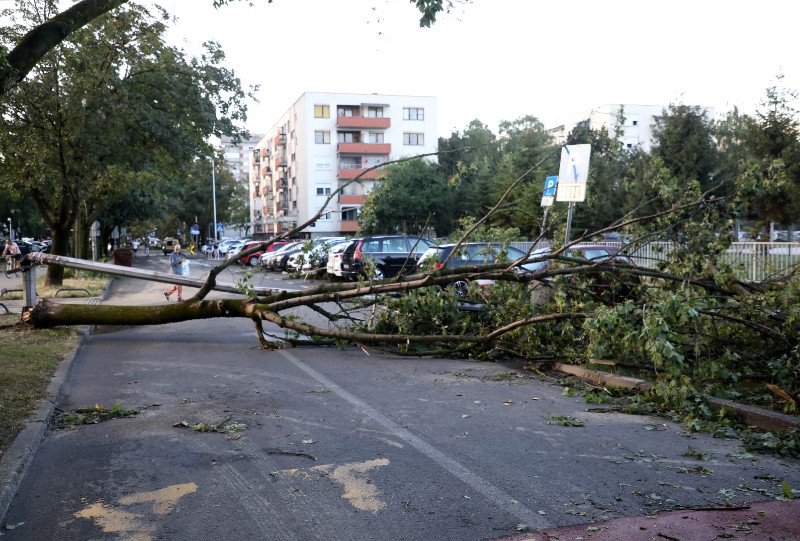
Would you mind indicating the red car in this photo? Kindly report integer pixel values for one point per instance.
(253, 259)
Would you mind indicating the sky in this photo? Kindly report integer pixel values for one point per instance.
(495, 60)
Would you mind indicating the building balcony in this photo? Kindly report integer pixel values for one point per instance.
(348, 226)
(265, 171)
(264, 152)
(363, 122)
(352, 199)
(280, 139)
(364, 148)
(351, 173)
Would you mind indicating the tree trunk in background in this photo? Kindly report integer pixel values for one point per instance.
(59, 246)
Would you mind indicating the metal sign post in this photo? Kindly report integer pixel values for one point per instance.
(548, 197)
(572, 175)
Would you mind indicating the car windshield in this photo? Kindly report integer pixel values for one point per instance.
(598, 254)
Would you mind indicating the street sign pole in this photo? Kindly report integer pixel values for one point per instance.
(572, 176)
(548, 197)
(569, 220)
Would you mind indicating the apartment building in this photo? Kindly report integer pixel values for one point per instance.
(323, 142)
(238, 154)
(636, 129)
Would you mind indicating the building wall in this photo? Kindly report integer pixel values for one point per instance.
(637, 130)
(237, 155)
(314, 167)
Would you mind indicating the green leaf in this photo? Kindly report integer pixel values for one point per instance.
(787, 490)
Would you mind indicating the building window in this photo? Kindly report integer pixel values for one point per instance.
(375, 112)
(322, 137)
(413, 138)
(348, 162)
(346, 111)
(413, 113)
(376, 137)
(350, 214)
(349, 137)
(323, 190)
(322, 111)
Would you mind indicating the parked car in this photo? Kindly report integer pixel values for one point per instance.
(169, 242)
(233, 248)
(602, 283)
(276, 260)
(254, 258)
(474, 254)
(334, 263)
(317, 260)
(386, 255)
(30, 246)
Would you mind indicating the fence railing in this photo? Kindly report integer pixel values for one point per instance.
(752, 261)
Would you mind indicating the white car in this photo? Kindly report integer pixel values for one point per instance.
(334, 266)
(317, 259)
(233, 248)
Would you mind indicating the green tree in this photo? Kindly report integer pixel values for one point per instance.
(110, 101)
(770, 181)
(683, 140)
(528, 152)
(412, 197)
(468, 160)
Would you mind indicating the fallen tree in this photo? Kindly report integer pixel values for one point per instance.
(687, 323)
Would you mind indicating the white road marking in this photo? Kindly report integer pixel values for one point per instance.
(503, 500)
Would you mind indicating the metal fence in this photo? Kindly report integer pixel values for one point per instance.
(752, 261)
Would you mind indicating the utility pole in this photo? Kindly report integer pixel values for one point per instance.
(214, 195)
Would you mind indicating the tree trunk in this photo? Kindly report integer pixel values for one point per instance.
(59, 246)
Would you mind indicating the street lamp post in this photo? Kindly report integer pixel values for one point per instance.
(10, 229)
(214, 195)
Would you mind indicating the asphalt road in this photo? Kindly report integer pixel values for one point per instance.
(347, 444)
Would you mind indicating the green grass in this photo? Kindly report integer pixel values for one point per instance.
(28, 360)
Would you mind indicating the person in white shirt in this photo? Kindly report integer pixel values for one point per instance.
(12, 250)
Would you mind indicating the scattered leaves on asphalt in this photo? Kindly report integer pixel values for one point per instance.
(90, 416)
(565, 420)
(221, 426)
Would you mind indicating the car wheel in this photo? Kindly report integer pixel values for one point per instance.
(253, 261)
(378, 274)
(461, 288)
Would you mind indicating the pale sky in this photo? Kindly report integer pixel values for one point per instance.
(502, 59)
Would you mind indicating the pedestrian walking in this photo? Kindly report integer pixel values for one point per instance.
(176, 262)
(215, 251)
(135, 244)
(147, 247)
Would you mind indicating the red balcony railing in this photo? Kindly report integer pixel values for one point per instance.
(352, 199)
(348, 226)
(363, 122)
(351, 173)
(365, 148)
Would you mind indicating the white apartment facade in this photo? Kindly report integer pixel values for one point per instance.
(237, 155)
(322, 143)
(636, 129)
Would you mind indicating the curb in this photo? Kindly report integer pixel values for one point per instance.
(19, 455)
(760, 418)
